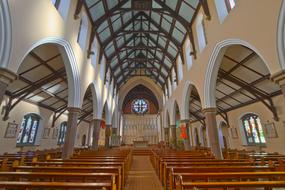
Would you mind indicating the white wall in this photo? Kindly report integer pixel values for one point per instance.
(17, 114)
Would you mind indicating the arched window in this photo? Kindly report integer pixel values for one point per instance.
(94, 55)
(83, 143)
(62, 6)
(224, 7)
(174, 80)
(62, 131)
(83, 31)
(180, 69)
(230, 4)
(139, 106)
(55, 3)
(188, 54)
(253, 129)
(201, 32)
(28, 130)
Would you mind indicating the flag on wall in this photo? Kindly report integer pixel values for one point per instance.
(102, 124)
(183, 131)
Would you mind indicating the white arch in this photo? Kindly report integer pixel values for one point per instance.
(172, 107)
(6, 34)
(108, 114)
(134, 81)
(214, 65)
(94, 100)
(280, 36)
(70, 64)
(184, 101)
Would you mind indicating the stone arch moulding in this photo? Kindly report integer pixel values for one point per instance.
(70, 63)
(108, 114)
(281, 36)
(124, 90)
(5, 34)
(213, 67)
(95, 104)
(172, 106)
(184, 101)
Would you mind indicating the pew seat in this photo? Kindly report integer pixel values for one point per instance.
(27, 185)
(235, 184)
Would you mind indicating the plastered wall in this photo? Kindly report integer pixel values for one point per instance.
(272, 144)
(17, 114)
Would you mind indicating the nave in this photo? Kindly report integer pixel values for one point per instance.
(142, 94)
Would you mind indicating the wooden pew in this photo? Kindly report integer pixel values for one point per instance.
(168, 165)
(76, 169)
(197, 162)
(180, 178)
(206, 169)
(232, 184)
(60, 177)
(27, 185)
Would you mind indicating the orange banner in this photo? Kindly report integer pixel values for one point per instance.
(183, 131)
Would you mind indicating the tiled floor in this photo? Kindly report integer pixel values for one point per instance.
(142, 175)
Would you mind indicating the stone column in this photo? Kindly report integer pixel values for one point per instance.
(166, 135)
(186, 141)
(211, 124)
(96, 133)
(90, 132)
(70, 132)
(107, 136)
(279, 78)
(6, 77)
(114, 131)
(191, 136)
(173, 136)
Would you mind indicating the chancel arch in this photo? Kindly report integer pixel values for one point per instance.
(141, 117)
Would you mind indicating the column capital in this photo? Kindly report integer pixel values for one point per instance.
(209, 110)
(96, 120)
(73, 110)
(7, 76)
(184, 121)
(279, 77)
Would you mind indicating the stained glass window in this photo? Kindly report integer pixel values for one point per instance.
(28, 130)
(62, 131)
(253, 129)
(140, 106)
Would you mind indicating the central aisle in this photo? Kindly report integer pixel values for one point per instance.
(142, 175)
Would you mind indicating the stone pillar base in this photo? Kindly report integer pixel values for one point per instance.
(211, 123)
(173, 136)
(96, 133)
(107, 136)
(68, 146)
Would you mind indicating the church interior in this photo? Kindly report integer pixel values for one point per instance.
(142, 94)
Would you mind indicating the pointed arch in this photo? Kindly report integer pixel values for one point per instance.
(209, 100)
(95, 106)
(5, 34)
(71, 67)
(281, 36)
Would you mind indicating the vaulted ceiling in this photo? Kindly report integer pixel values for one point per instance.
(141, 37)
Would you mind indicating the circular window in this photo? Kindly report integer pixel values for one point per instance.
(140, 106)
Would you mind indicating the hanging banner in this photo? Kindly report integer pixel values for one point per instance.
(183, 131)
(102, 124)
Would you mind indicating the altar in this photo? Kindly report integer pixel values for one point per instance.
(140, 144)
